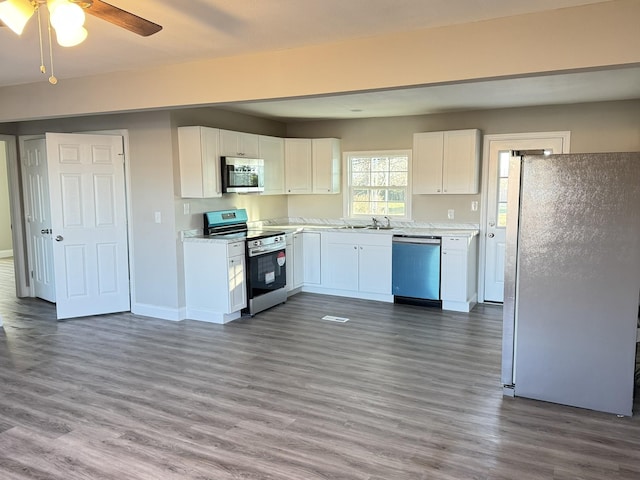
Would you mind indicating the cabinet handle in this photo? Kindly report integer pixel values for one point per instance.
(355, 247)
(438, 190)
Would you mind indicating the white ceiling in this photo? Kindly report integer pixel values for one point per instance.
(203, 29)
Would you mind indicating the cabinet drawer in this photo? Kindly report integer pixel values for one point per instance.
(235, 248)
(381, 239)
(454, 243)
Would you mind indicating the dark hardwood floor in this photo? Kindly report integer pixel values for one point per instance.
(397, 392)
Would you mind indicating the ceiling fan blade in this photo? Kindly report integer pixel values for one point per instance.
(122, 18)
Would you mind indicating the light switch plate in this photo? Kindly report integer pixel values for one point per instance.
(157, 216)
(451, 214)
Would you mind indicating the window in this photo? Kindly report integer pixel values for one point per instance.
(378, 183)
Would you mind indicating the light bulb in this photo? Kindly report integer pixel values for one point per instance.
(16, 13)
(71, 37)
(65, 15)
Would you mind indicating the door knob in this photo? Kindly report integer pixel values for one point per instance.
(59, 238)
(491, 235)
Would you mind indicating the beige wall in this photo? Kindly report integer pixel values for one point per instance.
(596, 36)
(595, 127)
(156, 249)
(5, 212)
(153, 159)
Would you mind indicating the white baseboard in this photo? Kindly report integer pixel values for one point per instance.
(6, 253)
(173, 314)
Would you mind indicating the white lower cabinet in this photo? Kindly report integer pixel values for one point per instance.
(294, 262)
(357, 265)
(303, 260)
(458, 282)
(215, 287)
(311, 258)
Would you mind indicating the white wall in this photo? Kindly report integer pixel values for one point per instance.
(5, 212)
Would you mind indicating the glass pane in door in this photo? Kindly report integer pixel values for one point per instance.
(503, 180)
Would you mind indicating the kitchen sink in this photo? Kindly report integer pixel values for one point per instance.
(380, 228)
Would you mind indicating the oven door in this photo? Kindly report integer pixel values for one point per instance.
(266, 272)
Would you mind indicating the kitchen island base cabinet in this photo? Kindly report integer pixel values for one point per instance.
(458, 283)
(355, 265)
(215, 287)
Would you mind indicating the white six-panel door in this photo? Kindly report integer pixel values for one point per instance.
(38, 218)
(88, 216)
(499, 151)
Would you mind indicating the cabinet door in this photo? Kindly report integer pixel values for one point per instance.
(374, 273)
(239, 144)
(237, 289)
(199, 159)
(341, 266)
(272, 152)
(461, 164)
(326, 165)
(289, 262)
(427, 158)
(453, 282)
(311, 258)
(298, 165)
(298, 260)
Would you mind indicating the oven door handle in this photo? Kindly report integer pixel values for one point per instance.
(256, 252)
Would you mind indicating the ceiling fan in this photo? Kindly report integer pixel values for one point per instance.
(97, 8)
(67, 18)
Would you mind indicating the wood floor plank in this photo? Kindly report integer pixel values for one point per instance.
(397, 392)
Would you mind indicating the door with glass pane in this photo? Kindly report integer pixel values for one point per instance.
(499, 156)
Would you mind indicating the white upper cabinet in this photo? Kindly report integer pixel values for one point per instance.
(446, 162)
(199, 162)
(298, 165)
(239, 144)
(312, 165)
(271, 150)
(326, 165)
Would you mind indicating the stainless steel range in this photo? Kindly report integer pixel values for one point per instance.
(265, 253)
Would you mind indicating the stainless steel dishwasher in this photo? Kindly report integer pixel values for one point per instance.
(416, 270)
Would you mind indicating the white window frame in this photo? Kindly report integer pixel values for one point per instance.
(346, 175)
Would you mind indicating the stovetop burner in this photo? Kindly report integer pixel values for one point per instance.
(233, 224)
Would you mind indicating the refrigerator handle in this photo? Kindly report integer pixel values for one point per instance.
(511, 274)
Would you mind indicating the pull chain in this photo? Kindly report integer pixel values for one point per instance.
(42, 67)
(52, 79)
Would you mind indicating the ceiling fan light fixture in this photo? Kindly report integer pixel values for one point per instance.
(71, 38)
(65, 15)
(16, 13)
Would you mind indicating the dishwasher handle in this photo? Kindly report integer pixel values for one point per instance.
(418, 240)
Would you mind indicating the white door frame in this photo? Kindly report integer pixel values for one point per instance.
(17, 220)
(17, 212)
(484, 197)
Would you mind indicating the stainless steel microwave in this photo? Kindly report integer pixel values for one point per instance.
(242, 175)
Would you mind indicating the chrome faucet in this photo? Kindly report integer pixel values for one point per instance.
(375, 222)
(388, 222)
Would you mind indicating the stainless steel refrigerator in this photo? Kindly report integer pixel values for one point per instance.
(572, 279)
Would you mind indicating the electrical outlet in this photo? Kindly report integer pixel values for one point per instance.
(474, 206)
(451, 214)
(157, 216)
(186, 208)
